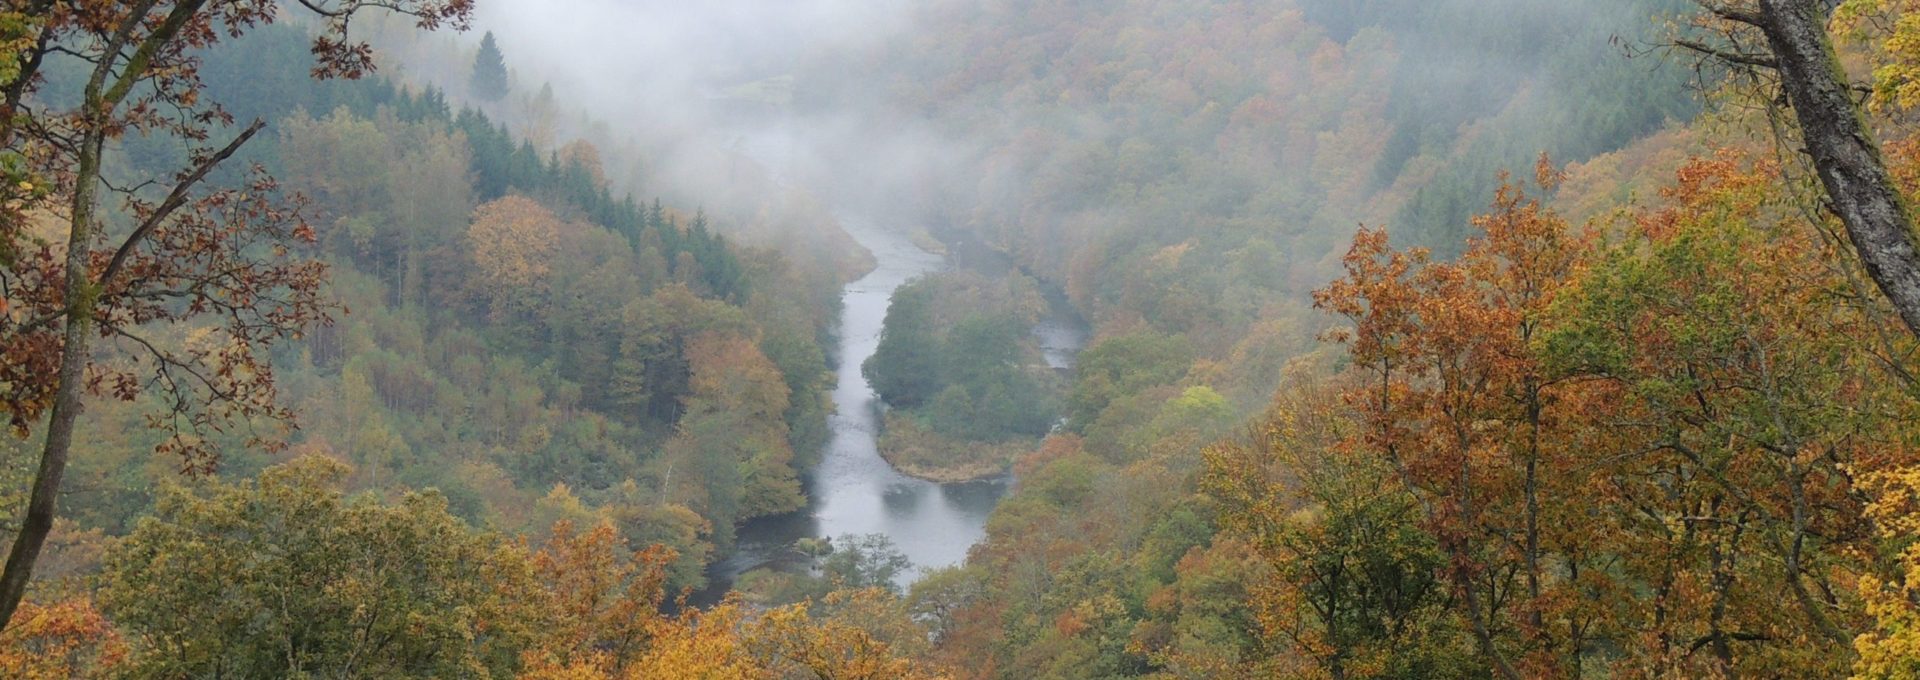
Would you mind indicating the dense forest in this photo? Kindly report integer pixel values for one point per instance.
(508, 332)
(1425, 339)
(967, 388)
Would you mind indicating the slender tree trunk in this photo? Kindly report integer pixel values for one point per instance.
(1482, 632)
(112, 81)
(1337, 665)
(1795, 563)
(1461, 554)
(1720, 565)
(1532, 489)
(66, 398)
(1859, 188)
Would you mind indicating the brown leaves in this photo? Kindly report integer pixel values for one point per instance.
(602, 605)
(235, 263)
(1654, 440)
(600, 619)
(232, 258)
(337, 55)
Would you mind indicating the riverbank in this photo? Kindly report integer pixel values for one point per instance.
(919, 452)
(852, 490)
(933, 513)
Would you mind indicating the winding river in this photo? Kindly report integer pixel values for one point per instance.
(853, 490)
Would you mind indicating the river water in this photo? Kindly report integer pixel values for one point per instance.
(853, 490)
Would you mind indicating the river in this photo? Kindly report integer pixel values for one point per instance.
(853, 490)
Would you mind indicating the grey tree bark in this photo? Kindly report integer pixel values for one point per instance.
(1846, 157)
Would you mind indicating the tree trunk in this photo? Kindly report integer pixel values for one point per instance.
(66, 397)
(1859, 189)
(1482, 632)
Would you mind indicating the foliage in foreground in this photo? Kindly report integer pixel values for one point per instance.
(287, 576)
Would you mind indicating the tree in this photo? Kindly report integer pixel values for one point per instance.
(1456, 401)
(865, 561)
(513, 241)
(602, 607)
(541, 116)
(286, 577)
(988, 395)
(1740, 422)
(1351, 587)
(1121, 366)
(184, 252)
(1892, 649)
(60, 641)
(652, 375)
(1664, 443)
(860, 637)
(732, 381)
(1834, 131)
(905, 368)
(489, 81)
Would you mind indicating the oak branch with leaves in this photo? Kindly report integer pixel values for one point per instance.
(90, 269)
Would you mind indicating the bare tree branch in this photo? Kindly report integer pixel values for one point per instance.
(1755, 60)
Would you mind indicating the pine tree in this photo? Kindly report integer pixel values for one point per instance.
(489, 71)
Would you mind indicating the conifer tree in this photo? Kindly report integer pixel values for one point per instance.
(489, 71)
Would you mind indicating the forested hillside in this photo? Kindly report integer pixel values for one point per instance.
(512, 333)
(501, 325)
(1258, 132)
(1428, 339)
(1572, 422)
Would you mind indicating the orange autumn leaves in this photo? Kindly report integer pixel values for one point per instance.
(514, 240)
(1455, 400)
(59, 642)
(604, 622)
(1634, 447)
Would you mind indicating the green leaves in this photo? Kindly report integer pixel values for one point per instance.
(1121, 366)
(905, 370)
(286, 577)
(955, 352)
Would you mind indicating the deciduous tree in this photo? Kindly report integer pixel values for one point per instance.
(285, 576)
(513, 241)
(60, 641)
(1455, 400)
(1788, 42)
(167, 251)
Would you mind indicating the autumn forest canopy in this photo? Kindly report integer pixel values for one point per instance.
(950, 339)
